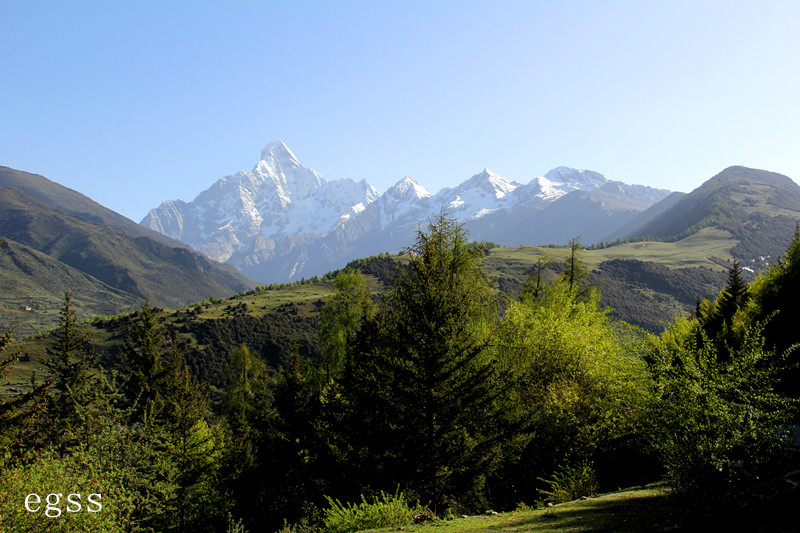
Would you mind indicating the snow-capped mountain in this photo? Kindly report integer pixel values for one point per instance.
(557, 183)
(279, 198)
(283, 221)
(480, 195)
(402, 204)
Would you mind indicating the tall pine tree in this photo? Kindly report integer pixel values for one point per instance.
(717, 319)
(148, 364)
(69, 360)
(424, 379)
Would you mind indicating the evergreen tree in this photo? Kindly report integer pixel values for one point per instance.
(7, 360)
(293, 453)
(10, 410)
(20, 420)
(249, 420)
(168, 438)
(775, 304)
(197, 451)
(576, 273)
(69, 360)
(424, 380)
(735, 295)
(246, 377)
(148, 364)
(535, 286)
(718, 319)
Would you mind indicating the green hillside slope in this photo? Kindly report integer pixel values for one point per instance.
(759, 208)
(64, 199)
(646, 284)
(128, 263)
(33, 286)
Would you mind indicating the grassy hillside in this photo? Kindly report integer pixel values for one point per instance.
(128, 266)
(644, 283)
(33, 285)
(759, 209)
(709, 248)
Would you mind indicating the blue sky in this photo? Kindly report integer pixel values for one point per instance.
(133, 103)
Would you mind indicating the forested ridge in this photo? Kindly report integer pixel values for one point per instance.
(439, 397)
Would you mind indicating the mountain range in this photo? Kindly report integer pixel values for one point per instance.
(283, 221)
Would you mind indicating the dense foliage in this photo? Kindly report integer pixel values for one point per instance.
(439, 398)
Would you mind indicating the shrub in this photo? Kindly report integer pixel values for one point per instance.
(386, 510)
(718, 421)
(571, 483)
(57, 478)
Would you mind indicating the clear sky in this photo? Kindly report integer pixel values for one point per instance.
(133, 103)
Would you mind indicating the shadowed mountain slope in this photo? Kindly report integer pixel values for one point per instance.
(65, 199)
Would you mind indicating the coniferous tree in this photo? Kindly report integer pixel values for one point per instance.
(534, 287)
(197, 454)
(169, 436)
(148, 364)
(576, 273)
(735, 294)
(776, 305)
(717, 319)
(249, 419)
(293, 452)
(20, 421)
(246, 377)
(425, 381)
(7, 360)
(69, 360)
(11, 411)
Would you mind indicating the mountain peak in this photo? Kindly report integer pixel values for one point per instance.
(407, 186)
(488, 182)
(278, 151)
(576, 176)
(740, 173)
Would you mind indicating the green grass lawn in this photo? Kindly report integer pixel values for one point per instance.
(638, 510)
